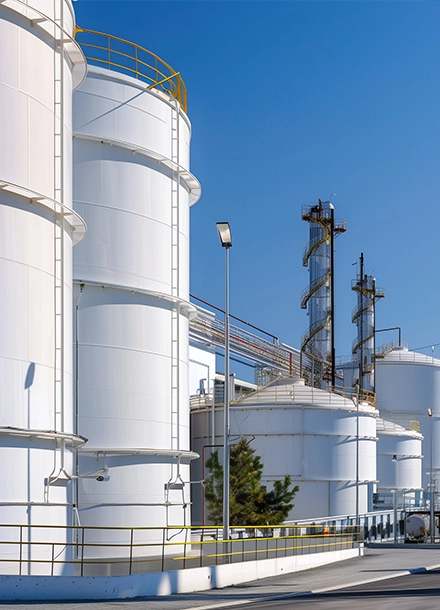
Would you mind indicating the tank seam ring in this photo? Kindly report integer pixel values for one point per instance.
(191, 182)
(70, 38)
(185, 306)
(76, 222)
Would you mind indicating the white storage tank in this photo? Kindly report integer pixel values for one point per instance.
(133, 186)
(40, 64)
(399, 461)
(309, 434)
(407, 385)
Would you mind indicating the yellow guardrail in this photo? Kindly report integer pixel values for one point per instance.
(132, 59)
(83, 551)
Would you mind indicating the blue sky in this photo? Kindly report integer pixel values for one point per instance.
(291, 101)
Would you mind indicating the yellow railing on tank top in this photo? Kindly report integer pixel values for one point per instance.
(131, 59)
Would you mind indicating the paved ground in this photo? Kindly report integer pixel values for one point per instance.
(411, 592)
(380, 562)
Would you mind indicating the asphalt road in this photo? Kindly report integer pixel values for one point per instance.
(413, 592)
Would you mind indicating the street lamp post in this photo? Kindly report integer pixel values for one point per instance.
(224, 232)
(357, 455)
(431, 482)
(394, 459)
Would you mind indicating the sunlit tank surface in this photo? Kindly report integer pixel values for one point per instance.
(37, 232)
(407, 385)
(133, 186)
(399, 459)
(309, 434)
(417, 526)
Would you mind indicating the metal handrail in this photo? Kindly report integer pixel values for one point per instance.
(130, 58)
(312, 246)
(356, 343)
(313, 287)
(196, 547)
(312, 331)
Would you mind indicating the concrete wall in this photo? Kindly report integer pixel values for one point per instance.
(35, 588)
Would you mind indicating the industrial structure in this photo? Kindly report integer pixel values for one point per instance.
(407, 387)
(363, 315)
(319, 297)
(94, 354)
(39, 229)
(320, 438)
(132, 185)
(103, 354)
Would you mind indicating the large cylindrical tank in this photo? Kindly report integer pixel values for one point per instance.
(309, 434)
(39, 66)
(131, 274)
(399, 461)
(407, 385)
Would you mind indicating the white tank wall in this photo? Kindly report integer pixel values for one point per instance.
(408, 473)
(125, 337)
(32, 179)
(407, 384)
(125, 370)
(314, 443)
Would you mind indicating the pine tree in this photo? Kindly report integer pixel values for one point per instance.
(250, 502)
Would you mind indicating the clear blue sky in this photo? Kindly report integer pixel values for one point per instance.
(291, 101)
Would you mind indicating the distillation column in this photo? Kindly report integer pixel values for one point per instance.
(318, 297)
(363, 316)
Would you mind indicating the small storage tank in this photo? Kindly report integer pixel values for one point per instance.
(133, 185)
(399, 462)
(417, 527)
(407, 385)
(309, 434)
(40, 64)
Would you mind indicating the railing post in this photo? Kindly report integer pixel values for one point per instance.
(109, 52)
(184, 548)
(163, 550)
(82, 551)
(21, 549)
(131, 550)
(53, 558)
(201, 548)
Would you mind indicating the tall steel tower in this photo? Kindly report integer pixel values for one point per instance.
(363, 316)
(318, 298)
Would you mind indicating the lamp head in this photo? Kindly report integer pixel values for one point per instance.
(224, 232)
(429, 412)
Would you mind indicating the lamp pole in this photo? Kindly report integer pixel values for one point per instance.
(357, 455)
(224, 233)
(394, 459)
(431, 484)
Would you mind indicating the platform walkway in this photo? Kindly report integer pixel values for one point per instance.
(380, 562)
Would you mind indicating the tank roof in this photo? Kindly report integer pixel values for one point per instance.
(403, 354)
(385, 427)
(295, 392)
